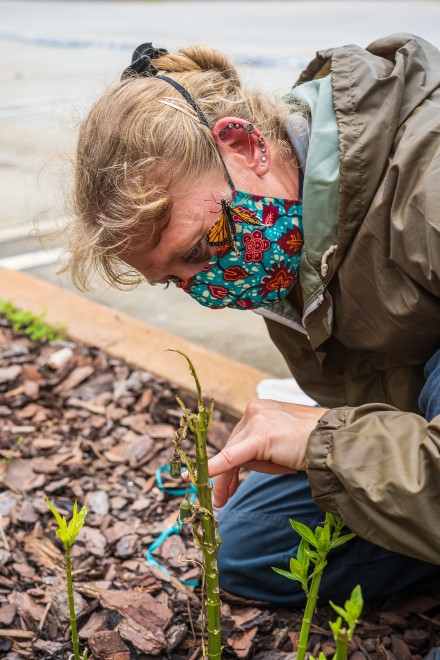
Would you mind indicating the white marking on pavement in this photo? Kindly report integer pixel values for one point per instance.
(29, 260)
(23, 230)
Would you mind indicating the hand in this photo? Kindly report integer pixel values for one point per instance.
(271, 437)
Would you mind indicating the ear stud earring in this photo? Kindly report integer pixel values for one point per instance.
(249, 128)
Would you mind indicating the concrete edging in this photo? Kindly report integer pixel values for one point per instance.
(231, 384)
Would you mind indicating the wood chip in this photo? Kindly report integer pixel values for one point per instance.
(18, 634)
(108, 645)
(7, 614)
(20, 476)
(76, 377)
(144, 619)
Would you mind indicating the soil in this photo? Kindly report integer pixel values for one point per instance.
(78, 424)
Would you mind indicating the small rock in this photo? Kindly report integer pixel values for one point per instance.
(59, 359)
(369, 645)
(117, 502)
(26, 513)
(94, 541)
(126, 546)
(31, 389)
(113, 534)
(7, 502)
(140, 504)
(8, 374)
(97, 501)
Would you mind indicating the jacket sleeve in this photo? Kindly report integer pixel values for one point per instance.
(379, 469)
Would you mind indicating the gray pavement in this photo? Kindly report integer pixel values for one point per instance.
(55, 57)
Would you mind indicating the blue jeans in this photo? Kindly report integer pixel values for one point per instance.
(256, 534)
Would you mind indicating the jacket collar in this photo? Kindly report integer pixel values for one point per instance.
(318, 154)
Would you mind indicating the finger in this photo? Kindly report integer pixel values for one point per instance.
(267, 467)
(234, 482)
(221, 488)
(234, 455)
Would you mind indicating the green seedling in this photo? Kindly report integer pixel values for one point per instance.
(20, 440)
(67, 533)
(29, 323)
(350, 614)
(201, 515)
(309, 565)
(342, 634)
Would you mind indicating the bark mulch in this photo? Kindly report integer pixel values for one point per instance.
(77, 424)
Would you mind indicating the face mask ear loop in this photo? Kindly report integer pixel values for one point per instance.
(186, 95)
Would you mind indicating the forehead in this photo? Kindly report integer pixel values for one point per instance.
(194, 211)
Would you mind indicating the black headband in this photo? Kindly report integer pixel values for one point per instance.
(142, 66)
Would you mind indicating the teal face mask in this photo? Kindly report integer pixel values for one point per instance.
(259, 243)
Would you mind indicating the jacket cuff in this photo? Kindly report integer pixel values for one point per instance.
(323, 483)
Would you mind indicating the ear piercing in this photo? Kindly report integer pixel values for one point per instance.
(249, 128)
(246, 127)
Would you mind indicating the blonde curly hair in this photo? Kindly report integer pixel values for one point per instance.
(132, 148)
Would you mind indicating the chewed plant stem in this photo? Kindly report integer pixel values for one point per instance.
(205, 532)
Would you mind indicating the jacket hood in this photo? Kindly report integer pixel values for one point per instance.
(402, 68)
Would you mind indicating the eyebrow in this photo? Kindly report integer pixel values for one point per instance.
(179, 251)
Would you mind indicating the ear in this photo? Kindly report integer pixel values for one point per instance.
(239, 139)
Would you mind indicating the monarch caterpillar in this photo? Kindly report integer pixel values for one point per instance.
(224, 231)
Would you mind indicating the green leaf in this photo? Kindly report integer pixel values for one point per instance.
(303, 555)
(314, 556)
(325, 536)
(335, 626)
(305, 532)
(296, 566)
(341, 539)
(60, 519)
(67, 533)
(330, 519)
(287, 574)
(342, 613)
(356, 599)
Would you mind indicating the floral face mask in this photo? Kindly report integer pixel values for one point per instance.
(259, 243)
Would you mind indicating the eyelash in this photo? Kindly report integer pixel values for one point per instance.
(195, 253)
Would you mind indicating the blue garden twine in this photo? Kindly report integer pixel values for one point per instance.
(175, 529)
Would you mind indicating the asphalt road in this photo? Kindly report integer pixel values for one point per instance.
(55, 57)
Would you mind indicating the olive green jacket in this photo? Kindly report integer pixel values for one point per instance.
(372, 304)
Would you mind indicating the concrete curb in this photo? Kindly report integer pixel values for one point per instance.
(231, 384)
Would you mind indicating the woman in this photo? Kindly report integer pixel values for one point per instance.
(321, 213)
